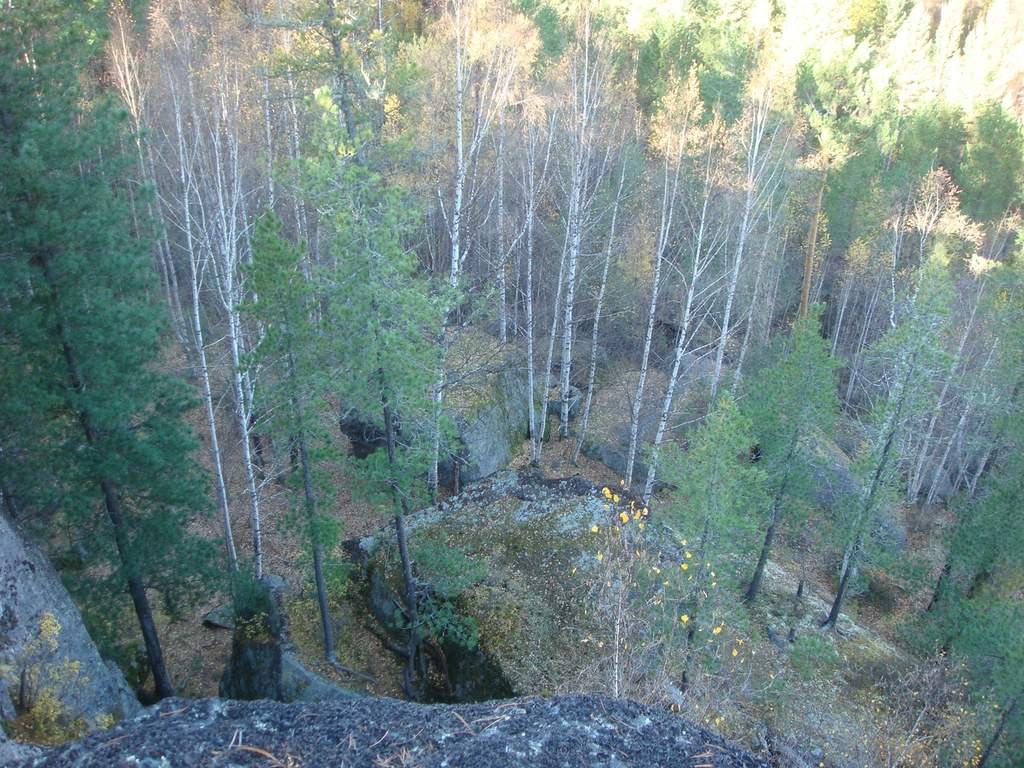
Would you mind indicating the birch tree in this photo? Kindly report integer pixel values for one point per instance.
(598, 307)
(708, 237)
(533, 184)
(671, 165)
(763, 139)
(204, 141)
(587, 73)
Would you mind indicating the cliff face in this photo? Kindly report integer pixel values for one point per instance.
(46, 654)
(563, 731)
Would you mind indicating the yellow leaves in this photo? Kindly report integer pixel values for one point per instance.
(606, 491)
(735, 653)
(689, 555)
(685, 566)
(717, 630)
(600, 556)
(685, 618)
(684, 542)
(49, 631)
(595, 528)
(623, 517)
(641, 525)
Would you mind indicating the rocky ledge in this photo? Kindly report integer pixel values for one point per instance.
(564, 731)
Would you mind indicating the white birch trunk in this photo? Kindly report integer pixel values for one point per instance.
(196, 269)
(664, 229)
(760, 181)
(502, 255)
(592, 373)
(701, 261)
(737, 373)
(915, 478)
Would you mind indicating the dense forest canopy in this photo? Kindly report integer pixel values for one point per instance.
(250, 249)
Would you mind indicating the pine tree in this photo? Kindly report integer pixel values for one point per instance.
(792, 404)
(84, 335)
(377, 298)
(297, 378)
(976, 615)
(721, 492)
(911, 354)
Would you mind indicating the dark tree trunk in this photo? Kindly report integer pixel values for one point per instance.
(318, 553)
(990, 748)
(939, 585)
(762, 560)
(112, 503)
(769, 536)
(403, 551)
(844, 583)
(869, 501)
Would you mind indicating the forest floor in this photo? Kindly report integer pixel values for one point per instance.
(834, 697)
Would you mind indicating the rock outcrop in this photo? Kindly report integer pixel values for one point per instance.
(490, 411)
(527, 545)
(486, 405)
(263, 662)
(44, 643)
(595, 731)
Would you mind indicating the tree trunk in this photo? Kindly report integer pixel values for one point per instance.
(592, 373)
(730, 297)
(460, 157)
(812, 241)
(318, 549)
(568, 327)
(411, 607)
(947, 569)
(502, 255)
(865, 328)
(737, 373)
(530, 185)
(668, 202)
(112, 503)
(839, 320)
(755, 582)
(198, 340)
(890, 428)
(916, 476)
(538, 442)
(1008, 711)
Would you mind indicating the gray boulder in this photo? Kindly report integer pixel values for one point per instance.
(612, 449)
(833, 479)
(263, 662)
(575, 401)
(575, 730)
(490, 412)
(41, 632)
